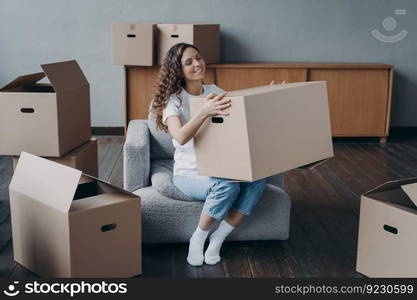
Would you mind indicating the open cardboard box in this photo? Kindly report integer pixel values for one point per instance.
(65, 224)
(45, 119)
(269, 130)
(387, 241)
(134, 44)
(83, 158)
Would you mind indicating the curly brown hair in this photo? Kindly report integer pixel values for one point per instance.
(170, 80)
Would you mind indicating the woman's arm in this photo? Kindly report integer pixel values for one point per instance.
(214, 105)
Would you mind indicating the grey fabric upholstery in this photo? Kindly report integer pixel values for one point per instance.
(170, 216)
(136, 156)
(160, 142)
(161, 179)
(165, 220)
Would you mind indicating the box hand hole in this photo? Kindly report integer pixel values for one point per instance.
(131, 35)
(175, 36)
(217, 119)
(27, 110)
(390, 229)
(108, 227)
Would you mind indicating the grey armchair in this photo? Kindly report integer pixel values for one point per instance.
(170, 216)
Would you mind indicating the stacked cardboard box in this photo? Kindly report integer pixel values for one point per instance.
(83, 158)
(50, 120)
(134, 44)
(45, 119)
(139, 44)
(206, 37)
(98, 235)
(69, 224)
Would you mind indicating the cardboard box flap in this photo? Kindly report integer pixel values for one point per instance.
(25, 80)
(65, 75)
(411, 191)
(391, 185)
(45, 181)
(110, 186)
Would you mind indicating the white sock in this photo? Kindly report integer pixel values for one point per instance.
(212, 255)
(195, 250)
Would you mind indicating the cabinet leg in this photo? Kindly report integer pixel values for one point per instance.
(383, 140)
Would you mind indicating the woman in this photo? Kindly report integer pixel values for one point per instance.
(181, 76)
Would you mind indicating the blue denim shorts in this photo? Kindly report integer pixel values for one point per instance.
(221, 194)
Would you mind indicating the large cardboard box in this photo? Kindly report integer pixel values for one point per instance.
(270, 129)
(45, 119)
(206, 37)
(387, 241)
(83, 158)
(65, 224)
(134, 44)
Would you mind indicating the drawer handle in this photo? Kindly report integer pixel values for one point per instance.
(108, 227)
(175, 36)
(390, 229)
(217, 119)
(131, 35)
(27, 110)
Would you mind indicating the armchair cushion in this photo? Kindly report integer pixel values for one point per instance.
(161, 179)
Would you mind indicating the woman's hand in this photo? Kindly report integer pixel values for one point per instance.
(215, 104)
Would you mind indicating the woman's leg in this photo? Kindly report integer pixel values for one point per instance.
(198, 189)
(206, 221)
(234, 217)
(250, 192)
(219, 195)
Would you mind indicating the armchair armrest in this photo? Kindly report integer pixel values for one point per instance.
(136, 156)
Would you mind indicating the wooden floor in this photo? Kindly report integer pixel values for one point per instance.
(324, 217)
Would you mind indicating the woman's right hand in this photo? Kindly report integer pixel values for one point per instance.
(215, 104)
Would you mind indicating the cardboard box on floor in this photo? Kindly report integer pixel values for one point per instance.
(206, 37)
(83, 158)
(65, 224)
(45, 119)
(270, 129)
(387, 242)
(134, 44)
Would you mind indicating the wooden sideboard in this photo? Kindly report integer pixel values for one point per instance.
(359, 94)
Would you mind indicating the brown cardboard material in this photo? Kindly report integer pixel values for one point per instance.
(313, 165)
(83, 158)
(206, 37)
(269, 130)
(134, 44)
(411, 191)
(387, 244)
(45, 119)
(65, 224)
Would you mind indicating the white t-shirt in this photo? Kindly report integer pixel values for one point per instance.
(184, 156)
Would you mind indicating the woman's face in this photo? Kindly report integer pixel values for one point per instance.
(193, 65)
